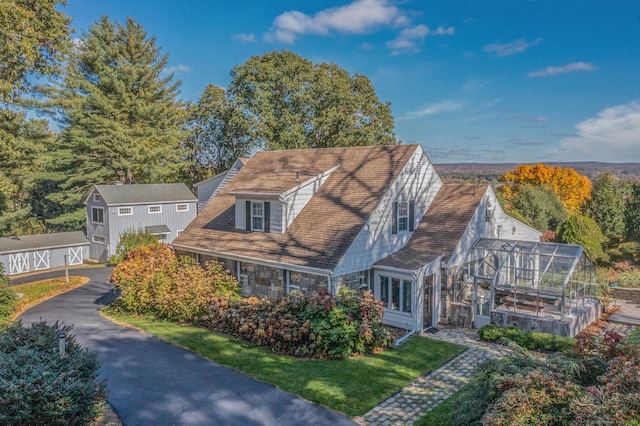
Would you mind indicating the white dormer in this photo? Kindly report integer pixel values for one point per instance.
(275, 200)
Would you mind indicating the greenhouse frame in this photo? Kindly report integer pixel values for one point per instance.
(537, 286)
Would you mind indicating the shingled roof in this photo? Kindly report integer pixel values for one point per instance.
(115, 195)
(440, 229)
(42, 241)
(325, 228)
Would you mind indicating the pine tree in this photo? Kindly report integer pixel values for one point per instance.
(121, 116)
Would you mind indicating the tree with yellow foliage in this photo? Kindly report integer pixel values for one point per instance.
(572, 188)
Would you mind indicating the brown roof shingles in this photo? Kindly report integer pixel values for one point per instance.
(440, 229)
(325, 228)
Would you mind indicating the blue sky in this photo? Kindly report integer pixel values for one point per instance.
(472, 81)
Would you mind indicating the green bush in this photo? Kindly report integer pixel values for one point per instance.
(527, 339)
(318, 326)
(8, 299)
(130, 240)
(39, 387)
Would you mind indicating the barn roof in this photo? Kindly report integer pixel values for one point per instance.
(42, 242)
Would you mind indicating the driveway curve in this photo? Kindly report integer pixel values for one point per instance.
(151, 382)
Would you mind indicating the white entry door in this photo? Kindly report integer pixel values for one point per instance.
(75, 255)
(41, 259)
(18, 263)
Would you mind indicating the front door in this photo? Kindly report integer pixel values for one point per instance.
(481, 302)
(427, 307)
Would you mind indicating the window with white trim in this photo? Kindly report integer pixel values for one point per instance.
(395, 293)
(155, 209)
(257, 216)
(403, 216)
(125, 211)
(182, 207)
(97, 215)
(98, 239)
(97, 197)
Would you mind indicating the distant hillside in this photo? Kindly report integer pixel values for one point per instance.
(487, 172)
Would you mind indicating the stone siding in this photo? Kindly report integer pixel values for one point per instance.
(631, 294)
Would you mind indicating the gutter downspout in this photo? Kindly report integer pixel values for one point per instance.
(398, 342)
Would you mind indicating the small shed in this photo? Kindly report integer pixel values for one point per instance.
(27, 253)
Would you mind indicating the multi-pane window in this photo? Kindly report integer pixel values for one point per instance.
(96, 197)
(97, 215)
(125, 211)
(98, 239)
(395, 293)
(182, 207)
(257, 216)
(155, 209)
(403, 216)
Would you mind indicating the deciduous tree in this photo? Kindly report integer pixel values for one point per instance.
(293, 103)
(572, 188)
(632, 213)
(220, 134)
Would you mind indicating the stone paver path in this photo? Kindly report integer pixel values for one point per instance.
(426, 392)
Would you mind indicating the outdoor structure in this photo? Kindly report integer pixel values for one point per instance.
(365, 218)
(29, 253)
(162, 209)
(546, 287)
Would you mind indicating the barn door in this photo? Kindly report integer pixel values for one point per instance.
(41, 259)
(18, 263)
(75, 255)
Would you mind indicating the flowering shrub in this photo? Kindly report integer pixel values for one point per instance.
(317, 326)
(153, 280)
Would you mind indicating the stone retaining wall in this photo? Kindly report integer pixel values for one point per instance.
(632, 294)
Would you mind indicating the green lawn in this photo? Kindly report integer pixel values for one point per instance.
(441, 415)
(352, 386)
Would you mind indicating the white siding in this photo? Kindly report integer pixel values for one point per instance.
(207, 188)
(419, 182)
(299, 198)
(499, 226)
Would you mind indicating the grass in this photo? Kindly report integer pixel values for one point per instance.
(634, 336)
(38, 291)
(352, 386)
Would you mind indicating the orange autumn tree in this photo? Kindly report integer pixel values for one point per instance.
(572, 188)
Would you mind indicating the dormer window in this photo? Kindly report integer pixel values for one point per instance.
(403, 217)
(257, 216)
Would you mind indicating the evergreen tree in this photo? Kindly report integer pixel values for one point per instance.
(122, 120)
(293, 103)
(540, 206)
(583, 230)
(632, 213)
(607, 206)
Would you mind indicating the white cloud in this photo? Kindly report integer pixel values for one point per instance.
(359, 17)
(612, 135)
(410, 39)
(573, 67)
(448, 105)
(511, 48)
(178, 69)
(245, 38)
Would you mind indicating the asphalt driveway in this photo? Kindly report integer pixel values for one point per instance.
(152, 383)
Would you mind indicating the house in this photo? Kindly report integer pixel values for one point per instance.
(27, 253)
(208, 188)
(162, 209)
(366, 218)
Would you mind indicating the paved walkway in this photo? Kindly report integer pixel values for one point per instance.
(426, 392)
(151, 382)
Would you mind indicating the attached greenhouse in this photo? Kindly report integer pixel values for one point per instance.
(545, 287)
